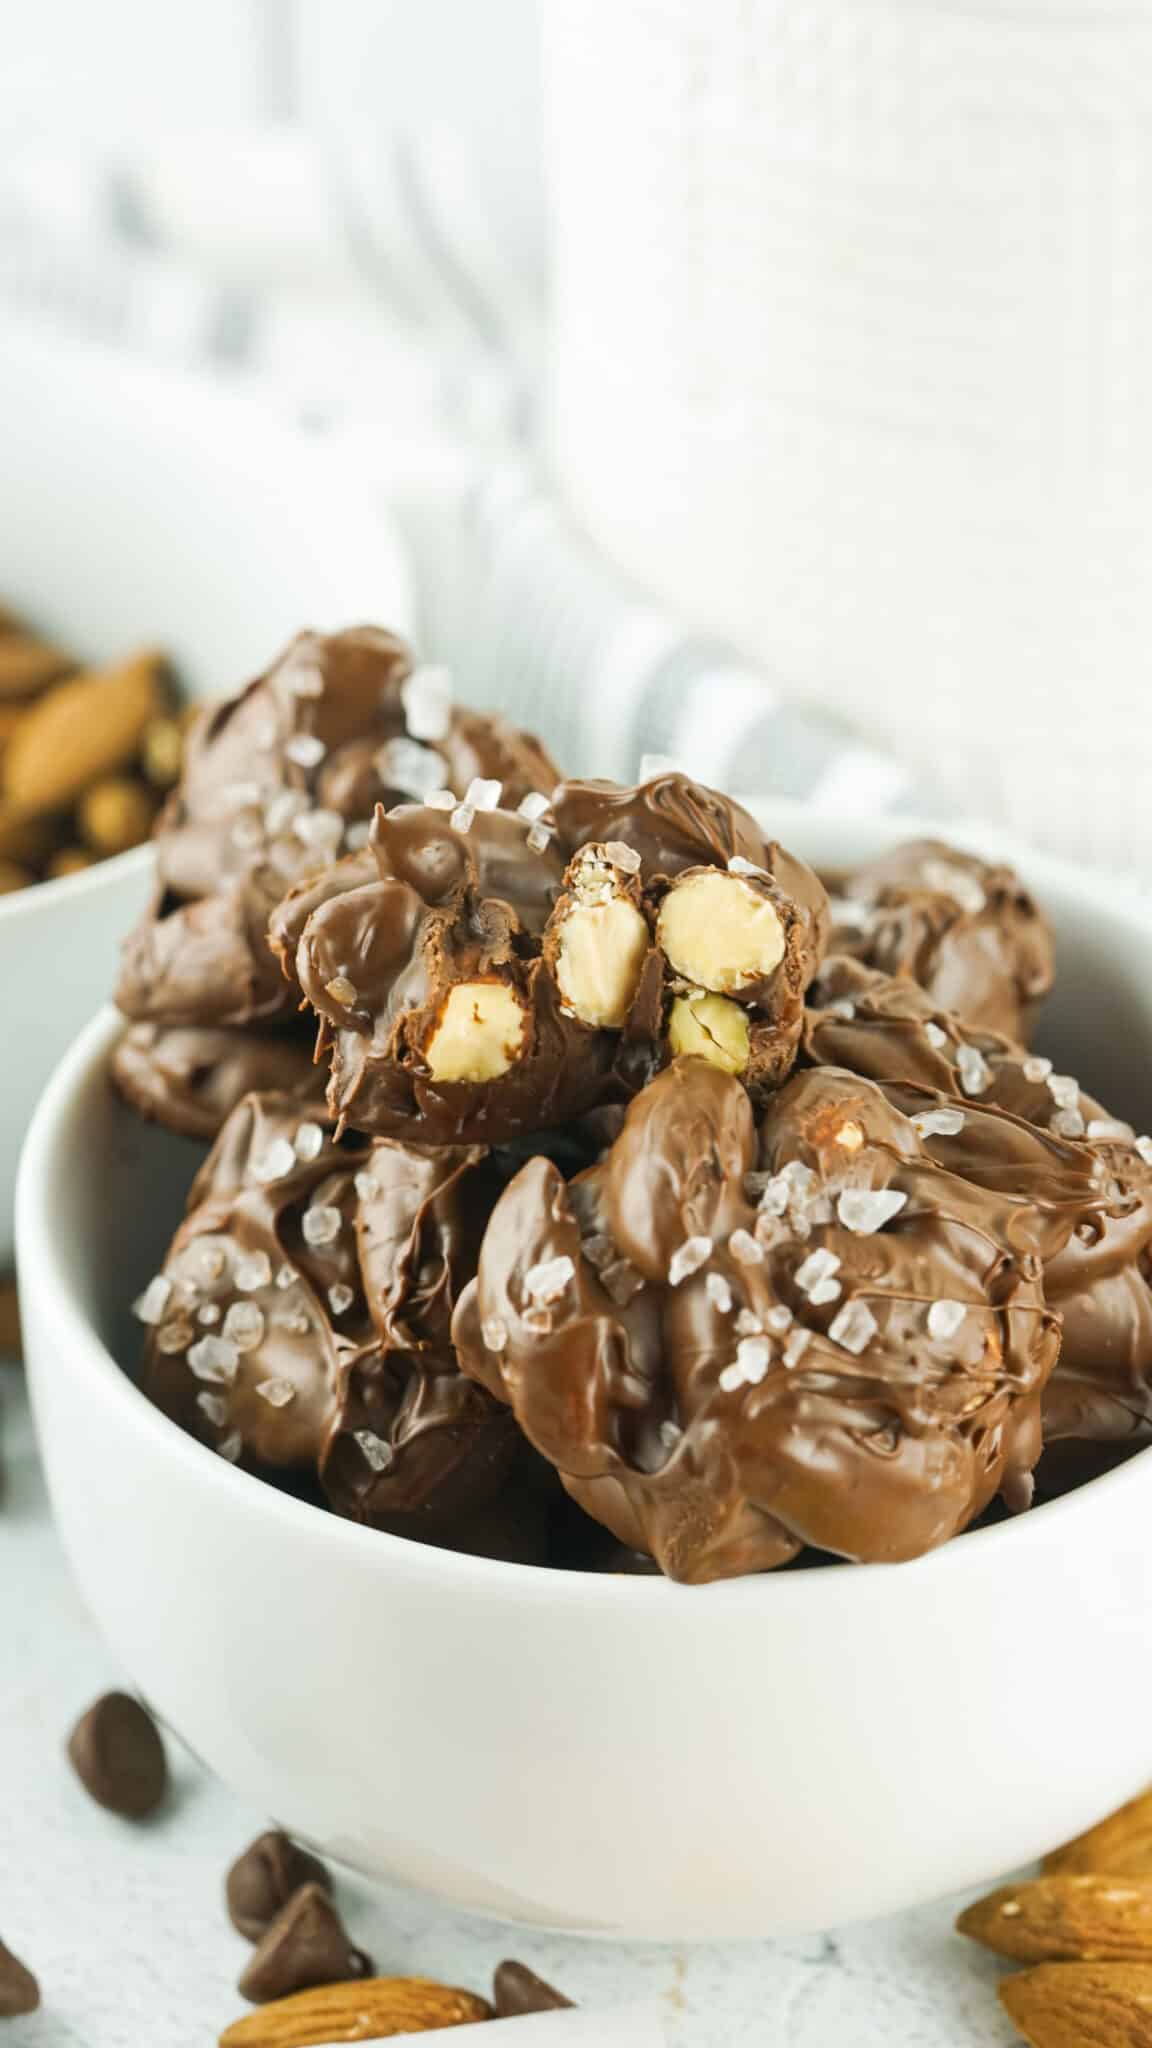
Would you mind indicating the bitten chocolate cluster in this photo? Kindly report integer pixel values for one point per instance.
(585, 1187)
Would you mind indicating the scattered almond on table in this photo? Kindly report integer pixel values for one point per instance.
(1086, 1926)
(86, 755)
(374, 2009)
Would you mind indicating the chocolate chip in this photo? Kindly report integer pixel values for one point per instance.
(516, 1989)
(264, 1878)
(306, 1944)
(118, 1756)
(19, 1991)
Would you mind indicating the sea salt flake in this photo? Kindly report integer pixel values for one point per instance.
(957, 883)
(688, 1259)
(1144, 1148)
(1064, 1090)
(547, 1280)
(214, 1359)
(938, 1123)
(483, 794)
(670, 1434)
(779, 1318)
(213, 1261)
(309, 1141)
(357, 835)
(494, 1331)
(244, 1326)
(294, 1321)
(744, 1248)
(719, 1293)
(1067, 1123)
(731, 1379)
(209, 1314)
(440, 800)
(753, 1356)
(848, 910)
(427, 699)
(340, 1297)
(462, 818)
(533, 806)
(175, 1336)
(945, 1318)
(305, 749)
(367, 1186)
(1104, 1128)
(866, 1210)
(377, 1454)
(342, 991)
(283, 809)
(215, 1407)
(819, 1266)
(824, 1291)
(286, 1276)
(1036, 1068)
(739, 866)
(277, 1161)
(937, 1038)
(854, 1328)
(251, 1271)
(319, 830)
(321, 1224)
(407, 766)
(598, 1249)
(230, 1447)
(975, 1073)
(149, 1307)
(843, 1006)
(795, 1348)
(277, 1392)
(748, 1324)
(539, 838)
(623, 857)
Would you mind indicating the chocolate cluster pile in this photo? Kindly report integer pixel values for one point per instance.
(588, 1187)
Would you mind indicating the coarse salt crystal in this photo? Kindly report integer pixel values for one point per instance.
(796, 1346)
(731, 1379)
(247, 833)
(209, 1314)
(533, 806)
(842, 1007)
(1067, 1123)
(427, 699)
(410, 767)
(938, 1123)
(824, 1290)
(483, 794)
(440, 800)
(215, 1407)
(149, 1307)
(779, 1317)
(305, 749)
(342, 991)
(494, 1331)
(866, 1210)
(739, 866)
(1036, 1068)
(670, 1434)
(744, 1248)
(1104, 1128)
(688, 1259)
(1144, 1148)
(937, 1038)
(230, 1447)
(816, 1268)
(598, 1249)
(357, 835)
(213, 1260)
(277, 1161)
(244, 1326)
(251, 1271)
(462, 818)
(214, 1358)
(753, 1356)
(309, 1141)
(854, 1327)
(340, 1297)
(719, 1293)
(367, 1186)
(277, 1392)
(963, 888)
(321, 830)
(975, 1073)
(377, 1453)
(307, 680)
(1064, 1090)
(283, 809)
(547, 1280)
(539, 838)
(748, 1324)
(174, 1336)
(286, 1276)
(321, 1224)
(623, 857)
(294, 1321)
(945, 1318)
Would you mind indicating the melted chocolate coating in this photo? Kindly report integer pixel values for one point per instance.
(324, 1276)
(190, 1079)
(1098, 1276)
(383, 944)
(715, 1395)
(966, 930)
(277, 783)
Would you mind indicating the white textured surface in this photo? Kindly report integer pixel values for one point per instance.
(853, 303)
(125, 1927)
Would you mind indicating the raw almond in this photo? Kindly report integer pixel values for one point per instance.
(26, 840)
(1082, 2005)
(372, 2009)
(79, 731)
(1077, 1918)
(1122, 1844)
(28, 665)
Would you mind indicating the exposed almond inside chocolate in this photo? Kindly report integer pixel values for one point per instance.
(713, 1028)
(480, 1033)
(602, 944)
(720, 932)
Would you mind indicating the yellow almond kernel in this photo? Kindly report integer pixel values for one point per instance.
(719, 932)
(712, 1028)
(480, 1033)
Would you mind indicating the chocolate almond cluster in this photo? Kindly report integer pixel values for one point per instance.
(585, 1189)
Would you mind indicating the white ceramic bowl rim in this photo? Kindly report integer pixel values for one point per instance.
(496, 1576)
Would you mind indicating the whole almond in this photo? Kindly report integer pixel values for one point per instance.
(1082, 2005)
(1122, 1844)
(26, 840)
(373, 2009)
(80, 730)
(28, 664)
(1076, 1917)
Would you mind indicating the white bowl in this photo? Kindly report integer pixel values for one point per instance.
(616, 1755)
(139, 506)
